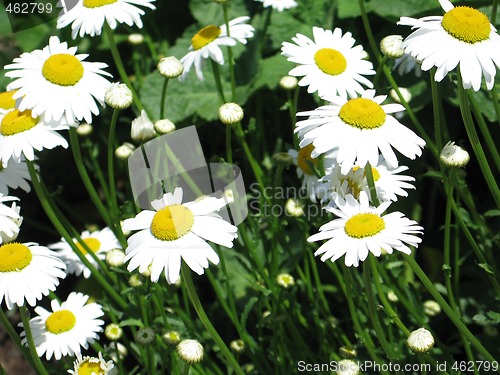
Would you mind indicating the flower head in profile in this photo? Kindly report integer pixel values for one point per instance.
(330, 64)
(10, 220)
(176, 231)
(279, 5)
(14, 175)
(361, 229)
(21, 133)
(57, 83)
(359, 128)
(28, 272)
(87, 17)
(91, 365)
(99, 242)
(463, 37)
(207, 43)
(142, 128)
(70, 326)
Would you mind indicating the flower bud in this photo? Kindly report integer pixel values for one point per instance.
(145, 336)
(405, 93)
(190, 351)
(294, 208)
(289, 83)
(237, 346)
(164, 126)
(392, 46)
(347, 367)
(431, 308)
(115, 258)
(113, 332)
(230, 113)
(171, 337)
(285, 280)
(454, 156)
(170, 67)
(142, 129)
(119, 96)
(135, 39)
(84, 129)
(124, 151)
(420, 341)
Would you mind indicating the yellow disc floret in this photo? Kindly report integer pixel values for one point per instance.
(60, 321)
(364, 225)
(90, 368)
(92, 243)
(362, 113)
(97, 3)
(466, 24)
(6, 99)
(172, 222)
(303, 159)
(205, 36)
(375, 172)
(14, 257)
(17, 122)
(62, 69)
(330, 61)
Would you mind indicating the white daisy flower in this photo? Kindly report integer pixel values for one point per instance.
(207, 42)
(21, 133)
(99, 241)
(88, 16)
(57, 83)
(360, 229)
(7, 102)
(407, 63)
(27, 272)
(91, 365)
(15, 175)
(359, 128)
(463, 36)
(302, 160)
(177, 230)
(10, 220)
(70, 326)
(335, 182)
(329, 64)
(279, 5)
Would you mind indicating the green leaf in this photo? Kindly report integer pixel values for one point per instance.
(246, 311)
(132, 323)
(492, 213)
(271, 70)
(494, 316)
(486, 267)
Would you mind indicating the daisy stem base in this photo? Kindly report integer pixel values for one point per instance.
(23, 311)
(195, 301)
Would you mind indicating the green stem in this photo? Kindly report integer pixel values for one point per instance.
(163, 96)
(368, 30)
(436, 104)
(5, 323)
(475, 143)
(119, 65)
(187, 365)
(111, 173)
(195, 301)
(218, 82)
(494, 12)
(447, 309)
(23, 311)
(378, 73)
(230, 55)
(371, 184)
(229, 149)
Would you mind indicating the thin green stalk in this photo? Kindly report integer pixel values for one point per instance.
(218, 82)
(447, 309)
(372, 307)
(96, 167)
(5, 323)
(368, 30)
(163, 97)
(371, 184)
(267, 21)
(475, 143)
(195, 301)
(229, 148)
(23, 311)
(378, 73)
(436, 105)
(119, 65)
(494, 12)
(53, 217)
(230, 55)
(115, 215)
(187, 365)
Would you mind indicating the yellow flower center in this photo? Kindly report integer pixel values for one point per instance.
(97, 3)
(172, 222)
(60, 321)
(466, 24)
(17, 122)
(330, 61)
(205, 36)
(6, 100)
(92, 243)
(90, 368)
(375, 172)
(62, 69)
(364, 225)
(14, 257)
(362, 113)
(304, 157)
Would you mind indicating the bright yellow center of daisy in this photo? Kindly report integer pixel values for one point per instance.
(172, 222)
(14, 257)
(375, 172)
(60, 321)
(92, 243)
(466, 24)
(330, 61)
(205, 36)
(364, 225)
(17, 122)
(304, 157)
(362, 113)
(90, 368)
(6, 100)
(62, 69)
(97, 3)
